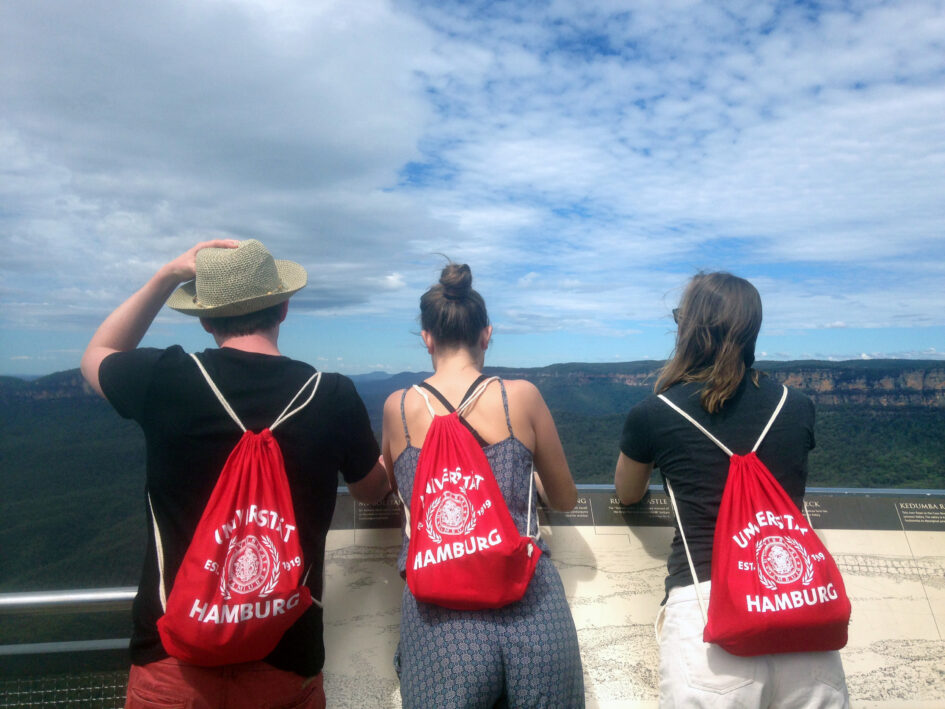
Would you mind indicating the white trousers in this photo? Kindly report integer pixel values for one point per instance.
(694, 674)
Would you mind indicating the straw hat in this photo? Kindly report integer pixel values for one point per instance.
(237, 281)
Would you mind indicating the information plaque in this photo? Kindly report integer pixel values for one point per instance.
(385, 515)
(826, 510)
(922, 515)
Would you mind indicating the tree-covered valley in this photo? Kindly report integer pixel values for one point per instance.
(72, 480)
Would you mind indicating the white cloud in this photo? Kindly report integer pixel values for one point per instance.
(584, 158)
(130, 133)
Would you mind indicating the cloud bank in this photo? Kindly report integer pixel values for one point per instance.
(584, 158)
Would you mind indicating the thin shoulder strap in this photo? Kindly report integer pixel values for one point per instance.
(449, 407)
(472, 387)
(219, 395)
(481, 385)
(467, 402)
(403, 415)
(471, 398)
(715, 440)
(426, 399)
(505, 405)
(436, 392)
(443, 400)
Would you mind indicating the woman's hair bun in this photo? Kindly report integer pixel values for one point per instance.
(451, 311)
(456, 280)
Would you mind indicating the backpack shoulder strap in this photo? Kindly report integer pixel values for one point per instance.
(219, 395)
(672, 497)
(476, 390)
(426, 398)
(436, 392)
(472, 387)
(715, 440)
(159, 549)
(449, 407)
(472, 397)
(692, 566)
(286, 413)
(443, 400)
(777, 411)
(698, 425)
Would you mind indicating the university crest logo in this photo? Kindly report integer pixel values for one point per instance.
(782, 560)
(450, 514)
(252, 563)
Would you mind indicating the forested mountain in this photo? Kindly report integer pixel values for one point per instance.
(72, 471)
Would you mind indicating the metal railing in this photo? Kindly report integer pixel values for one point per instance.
(85, 600)
(86, 674)
(82, 690)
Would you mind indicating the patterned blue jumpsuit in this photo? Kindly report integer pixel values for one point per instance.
(523, 655)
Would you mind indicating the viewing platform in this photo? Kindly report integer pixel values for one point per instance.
(889, 544)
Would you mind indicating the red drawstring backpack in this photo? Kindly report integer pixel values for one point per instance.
(465, 551)
(239, 586)
(775, 587)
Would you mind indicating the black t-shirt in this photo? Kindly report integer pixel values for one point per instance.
(698, 468)
(189, 436)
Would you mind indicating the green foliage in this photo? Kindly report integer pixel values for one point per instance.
(879, 447)
(72, 471)
(856, 447)
(591, 444)
(72, 495)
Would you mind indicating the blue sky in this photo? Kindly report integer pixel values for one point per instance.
(584, 158)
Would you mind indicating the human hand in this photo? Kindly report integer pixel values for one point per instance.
(184, 267)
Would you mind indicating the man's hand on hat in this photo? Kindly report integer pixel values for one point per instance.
(184, 267)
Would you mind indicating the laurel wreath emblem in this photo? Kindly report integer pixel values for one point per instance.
(433, 523)
(769, 583)
(274, 577)
(432, 531)
(808, 566)
(224, 586)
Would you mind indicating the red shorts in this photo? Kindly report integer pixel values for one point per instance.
(172, 683)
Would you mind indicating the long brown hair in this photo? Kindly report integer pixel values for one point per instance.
(718, 319)
(451, 311)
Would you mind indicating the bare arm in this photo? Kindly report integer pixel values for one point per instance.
(392, 435)
(373, 487)
(554, 475)
(124, 328)
(380, 481)
(631, 479)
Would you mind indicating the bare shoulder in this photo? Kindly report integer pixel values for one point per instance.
(522, 392)
(520, 387)
(392, 404)
(413, 403)
(394, 398)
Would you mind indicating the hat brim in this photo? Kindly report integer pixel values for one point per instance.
(293, 277)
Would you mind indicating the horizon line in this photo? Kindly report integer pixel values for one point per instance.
(935, 361)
